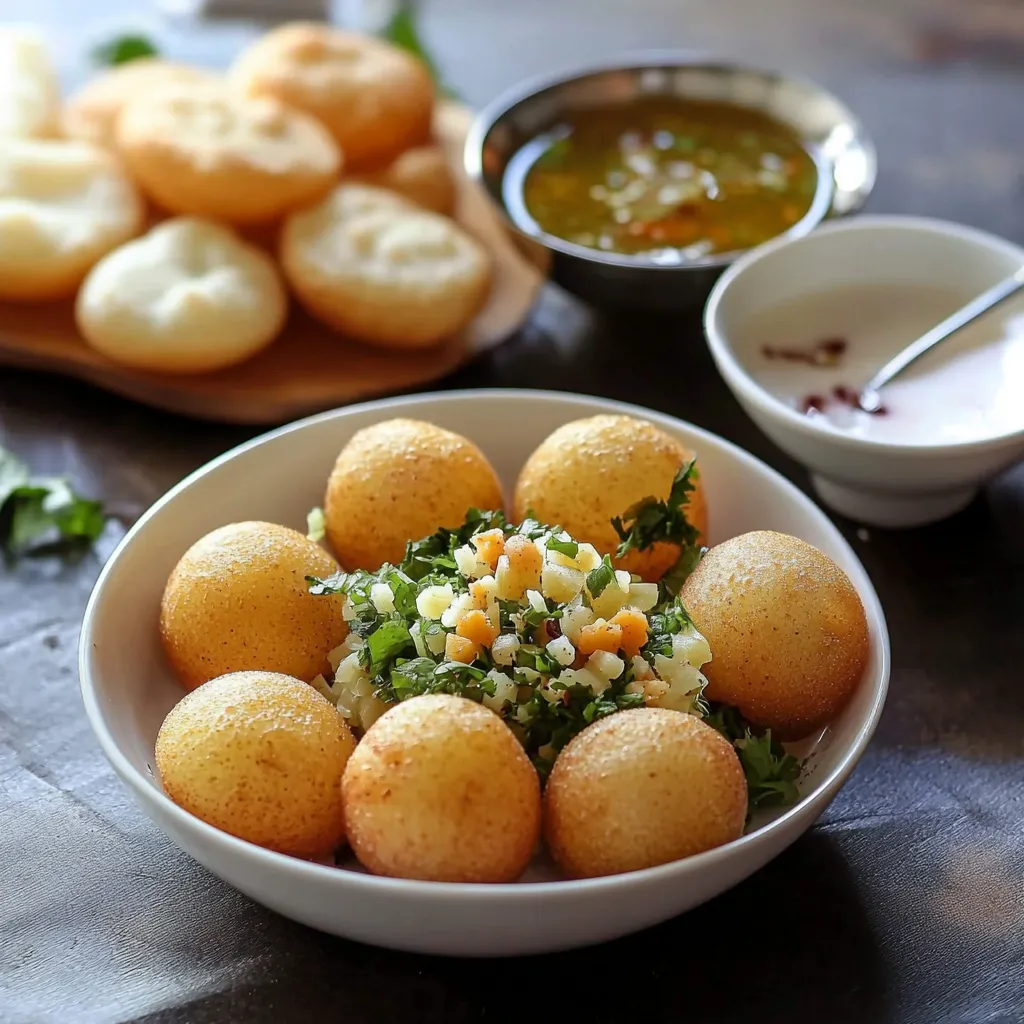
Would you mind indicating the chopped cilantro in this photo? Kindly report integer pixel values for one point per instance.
(43, 512)
(569, 548)
(599, 578)
(385, 643)
(123, 49)
(436, 554)
(649, 521)
(771, 772)
(689, 558)
(316, 525)
(402, 31)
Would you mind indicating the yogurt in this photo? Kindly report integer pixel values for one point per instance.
(808, 350)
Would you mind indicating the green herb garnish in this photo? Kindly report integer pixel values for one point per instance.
(316, 525)
(771, 772)
(39, 512)
(569, 548)
(402, 31)
(649, 520)
(598, 579)
(122, 50)
(435, 555)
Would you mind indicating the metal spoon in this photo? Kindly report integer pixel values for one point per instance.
(871, 401)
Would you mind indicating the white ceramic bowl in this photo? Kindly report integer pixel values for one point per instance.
(873, 481)
(128, 688)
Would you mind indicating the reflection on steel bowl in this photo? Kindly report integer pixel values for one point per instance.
(645, 179)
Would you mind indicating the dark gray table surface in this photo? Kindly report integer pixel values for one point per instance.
(905, 903)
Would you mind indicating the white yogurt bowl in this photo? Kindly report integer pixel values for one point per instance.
(942, 439)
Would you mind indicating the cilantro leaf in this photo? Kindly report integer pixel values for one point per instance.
(316, 525)
(599, 578)
(402, 31)
(385, 643)
(569, 548)
(123, 49)
(435, 554)
(771, 772)
(689, 558)
(38, 512)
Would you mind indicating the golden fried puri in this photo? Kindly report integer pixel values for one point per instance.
(259, 755)
(401, 480)
(590, 470)
(440, 789)
(238, 600)
(786, 628)
(642, 788)
(374, 98)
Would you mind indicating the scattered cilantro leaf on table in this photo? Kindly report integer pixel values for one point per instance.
(123, 49)
(403, 32)
(38, 512)
(771, 772)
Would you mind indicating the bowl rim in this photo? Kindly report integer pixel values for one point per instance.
(746, 387)
(563, 889)
(662, 59)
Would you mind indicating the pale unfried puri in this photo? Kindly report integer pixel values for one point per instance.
(383, 270)
(63, 205)
(190, 296)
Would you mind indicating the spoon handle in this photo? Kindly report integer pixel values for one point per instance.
(963, 316)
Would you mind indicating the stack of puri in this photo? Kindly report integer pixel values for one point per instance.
(181, 208)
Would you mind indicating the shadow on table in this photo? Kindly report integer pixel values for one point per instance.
(790, 944)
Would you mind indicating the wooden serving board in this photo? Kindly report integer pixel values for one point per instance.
(309, 367)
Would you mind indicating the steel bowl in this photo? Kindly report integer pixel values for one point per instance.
(834, 137)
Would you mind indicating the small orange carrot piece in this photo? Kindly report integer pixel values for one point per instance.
(490, 545)
(523, 556)
(633, 624)
(600, 636)
(476, 627)
(458, 648)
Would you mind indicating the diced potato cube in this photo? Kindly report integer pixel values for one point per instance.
(643, 595)
(562, 650)
(504, 648)
(537, 602)
(574, 618)
(597, 684)
(433, 601)
(607, 666)
(588, 558)
(609, 601)
(623, 580)
(456, 610)
(382, 598)
(691, 647)
(561, 584)
(469, 564)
